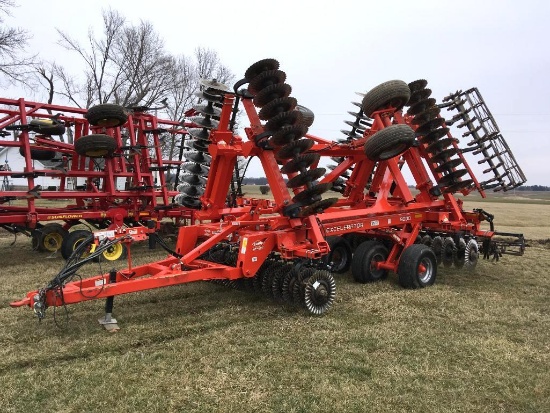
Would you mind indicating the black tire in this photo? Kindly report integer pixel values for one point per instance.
(73, 240)
(95, 146)
(417, 267)
(394, 93)
(49, 238)
(389, 142)
(366, 254)
(39, 154)
(107, 115)
(308, 115)
(47, 127)
(339, 255)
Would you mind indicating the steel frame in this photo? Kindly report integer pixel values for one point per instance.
(387, 210)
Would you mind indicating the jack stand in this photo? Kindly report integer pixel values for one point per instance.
(108, 322)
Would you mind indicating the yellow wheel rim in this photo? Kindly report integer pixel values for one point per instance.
(52, 242)
(114, 252)
(77, 243)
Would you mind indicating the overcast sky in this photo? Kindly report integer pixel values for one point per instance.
(329, 52)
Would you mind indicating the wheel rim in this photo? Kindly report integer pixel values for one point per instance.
(340, 259)
(77, 243)
(114, 252)
(425, 271)
(377, 273)
(52, 242)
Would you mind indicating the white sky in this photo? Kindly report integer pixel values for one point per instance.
(331, 51)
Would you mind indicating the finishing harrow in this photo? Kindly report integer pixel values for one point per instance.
(288, 248)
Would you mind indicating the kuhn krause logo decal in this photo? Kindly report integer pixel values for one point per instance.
(255, 245)
(258, 245)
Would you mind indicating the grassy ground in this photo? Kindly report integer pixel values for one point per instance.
(474, 342)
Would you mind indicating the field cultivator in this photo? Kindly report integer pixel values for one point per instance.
(288, 248)
(114, 174)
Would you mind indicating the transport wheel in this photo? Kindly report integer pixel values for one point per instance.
(471, 254)
(115, 252)
(339, 257)
(107, 115)
(448, 252)
(49, 238)
(394, 93)
(73, 240)
(389, 142)
(95, 146)
(39, 154)
(363, 267)
(417, 267)
(319, 292)
(47, 127)
(308, 115)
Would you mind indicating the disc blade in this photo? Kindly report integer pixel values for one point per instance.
(208, 110)
(193, 179)
(214, 84)
(288, 134)
(199, 133)
(196, 169)
(206, 122)
(198, 157)
(294, 148)
(192, 191)
(306, 177)
(311, 195)
(300, 162)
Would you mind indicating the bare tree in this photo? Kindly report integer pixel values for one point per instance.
(100, 78)
(185, 82)
(209, 66)
(15, 64)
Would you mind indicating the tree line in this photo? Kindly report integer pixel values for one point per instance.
(124, 63)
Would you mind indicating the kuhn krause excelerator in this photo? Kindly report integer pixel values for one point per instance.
(288, 248)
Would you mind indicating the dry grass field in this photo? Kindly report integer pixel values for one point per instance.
(474, 342)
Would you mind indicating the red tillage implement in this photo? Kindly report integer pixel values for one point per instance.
(289, 247)
(114, 175)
